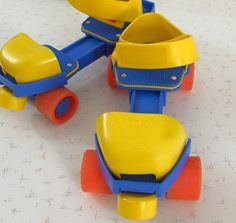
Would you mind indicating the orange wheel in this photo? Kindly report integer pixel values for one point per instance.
(111, 79)
(189, 79)
(188, 185)
(92, 179)
(58, 105)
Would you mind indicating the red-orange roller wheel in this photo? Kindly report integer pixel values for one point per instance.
(188, 185)
(111, 79)
(92, 179)
(189, 79)
(58, 105)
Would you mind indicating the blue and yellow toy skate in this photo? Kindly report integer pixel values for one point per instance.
(29, 69)
(143, 154)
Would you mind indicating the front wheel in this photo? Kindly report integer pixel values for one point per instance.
(111, 79)
(92, 179)
(189, 79)
(188, 185)
(58, 105)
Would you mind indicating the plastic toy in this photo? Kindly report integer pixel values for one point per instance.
(143, 154)
(140, 155)
(41, 71)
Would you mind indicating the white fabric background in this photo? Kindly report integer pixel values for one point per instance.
(40, 162)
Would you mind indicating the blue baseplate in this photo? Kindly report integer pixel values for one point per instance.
(151, 80)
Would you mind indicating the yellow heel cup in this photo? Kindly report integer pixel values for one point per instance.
(119, 10)
(137, 206)
(153, 42)
(27, 61)
(9, 101)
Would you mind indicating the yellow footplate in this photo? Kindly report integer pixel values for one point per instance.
(137, 206)
(9, 101)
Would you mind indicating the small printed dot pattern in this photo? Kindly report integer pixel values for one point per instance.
(40, 162)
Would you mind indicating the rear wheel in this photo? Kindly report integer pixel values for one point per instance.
(189, 79)
(111, 79)
(58, 105)
(92, 179)
(188, 185)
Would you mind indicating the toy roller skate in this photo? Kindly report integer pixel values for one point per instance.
(29, 69)
(143, 154)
